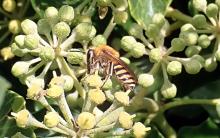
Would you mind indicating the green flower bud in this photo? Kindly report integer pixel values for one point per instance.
(86, 120)
(6, 53)
(96, 96)
(14, 26)
(18, 51)
(145, 80)
(20, 68)
(94, 81)
(99, 40)
(121, 5)
(127, 43)
(61, 30)
(73, 99)
(200, 5)
(120, 17)
(57, 81)
(178, 44)
(66, 13)
(126, 60)
(33, 80)
(47, 54)
(168, 90)
(43, 27)
(217, 2)
(9, 5)
(51, 14)
(190, 37)
(212, 10)
(192, 50)
(31, 41)
(51, 119)
(68, 85)
(22, 118)
(126, 120)
(104, 3)
(122, 98)
(210, 64)
(75, 57)
(153, 31)
(19, 40)
(155, 55)
(34, 91)
(187, 27)
(199, 21)
(204, 41)
(85, 32)
(158, 19)
(135, 30)
(199, 58)
(107, 85)
(192, 66)
(138, 50)
(29, 27)
(139, 130)
(55, 91)
(82, 19)
(217, 55)
(174, 68)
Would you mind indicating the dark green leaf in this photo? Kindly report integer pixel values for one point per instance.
(4, 86)
(207, 129)
(143, 10)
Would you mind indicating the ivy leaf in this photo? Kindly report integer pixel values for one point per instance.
(207, 129)
(143, 10)
(4, 86)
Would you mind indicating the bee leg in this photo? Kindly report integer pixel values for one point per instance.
(109, 72)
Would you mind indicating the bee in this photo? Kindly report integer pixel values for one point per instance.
(108, 60)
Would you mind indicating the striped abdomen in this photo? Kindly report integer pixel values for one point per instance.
(125, 77)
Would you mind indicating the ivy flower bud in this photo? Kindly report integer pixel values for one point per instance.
(85, 32)
(99, 40)
(127, 43)
(19, 40)
(158, 19)
(145, 80)
(22, 118)
(139, 130)
(104, 3)
(17, 50)
(33, 91)
(200, 5)
(66, 13)
(43, 27)
(96, 96)
(199, 58)
(168, 90)
(57, 81)
(55, 91)
(9, 5)
(86, 120)
(47, 54)
(107, 85)
(31, 41)
(68, 85)
(217, 55)
(155, 55)
(135, 30)
(192, 50)
(75, 57)
(174, 68)
(122, 98)
(190, 37)
(20, 68)
(121, 5)
(204, 41)
(178, 44)
(51, 14)
(217, 2)
(6, 53)
(61, 30)
(212, 10)
(187, 27)
(126, 60)
(14, 26)
(94, 81)
(73, 99)
(192, 66)
(126, 120)
(210, 64)
(138, 50)
(120, 17)
(153, 31)
(51, 119)
(199, 21)
(29, 27)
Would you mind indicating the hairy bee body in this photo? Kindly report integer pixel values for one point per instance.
(108, 60)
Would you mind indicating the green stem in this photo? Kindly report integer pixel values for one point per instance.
(3, 37)
(155, 68)
(64, 128)
(64, 66)
(145, 41)
(5, 13)
(24, 8)
(173, 13)
(100, 129)
(109, 28)
(79, 8)
(174, 27)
